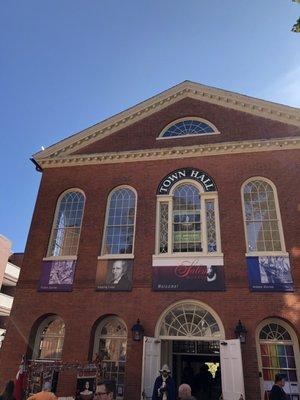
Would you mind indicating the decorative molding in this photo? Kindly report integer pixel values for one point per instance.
(185, 89)
(238, 147)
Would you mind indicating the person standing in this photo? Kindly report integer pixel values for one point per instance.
(8, 393)
(45, 394)
(277, 392)
(164, 386)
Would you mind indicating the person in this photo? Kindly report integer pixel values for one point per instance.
(185, 392)
(45, 394)
(8, 392)
(86, 393)
(277, 392)
(105, 391)
(164, 386)
(119, 275)
(188, 374)
(203, 383)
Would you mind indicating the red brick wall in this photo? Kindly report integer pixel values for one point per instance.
(233, 125)
(82, 307)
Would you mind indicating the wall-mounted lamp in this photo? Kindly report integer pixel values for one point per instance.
(137, 331)
(240, 332)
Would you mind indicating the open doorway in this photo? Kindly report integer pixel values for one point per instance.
(197, 363)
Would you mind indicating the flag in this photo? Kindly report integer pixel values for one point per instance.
(20, 381)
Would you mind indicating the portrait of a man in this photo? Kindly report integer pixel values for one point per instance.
(114, 275)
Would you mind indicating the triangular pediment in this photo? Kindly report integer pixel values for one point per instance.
(187, 89)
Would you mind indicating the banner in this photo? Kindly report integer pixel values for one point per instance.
(57, 276)
(114, 275)
(188, 278)
(270, 274)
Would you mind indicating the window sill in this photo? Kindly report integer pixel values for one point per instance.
(115, 256)
(267, 253)
(60, 258)
(192, 258)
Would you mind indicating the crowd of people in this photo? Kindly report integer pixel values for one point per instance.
(164, 389)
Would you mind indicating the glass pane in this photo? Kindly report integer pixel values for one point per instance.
(211, 226)
(163, 227)
(188, 127)
(67, 224)
(261, 217)
(186, 219)
(120, 224)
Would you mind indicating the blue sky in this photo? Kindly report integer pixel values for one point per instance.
(68, 64)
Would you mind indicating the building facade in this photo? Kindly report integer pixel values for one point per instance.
(9, 275)
(182, 212)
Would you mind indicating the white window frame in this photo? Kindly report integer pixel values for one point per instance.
(38, 337)
(203, 197)
(188, 302)
(283, 252)
(294, 342)
(70, 257)
(205, 121)
(103, 255)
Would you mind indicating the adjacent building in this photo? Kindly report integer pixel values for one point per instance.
(183, 213)
(9, 275)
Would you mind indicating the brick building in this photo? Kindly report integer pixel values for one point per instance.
(182, 212)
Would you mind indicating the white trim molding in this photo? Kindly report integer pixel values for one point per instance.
(186, 89)
(204, 150)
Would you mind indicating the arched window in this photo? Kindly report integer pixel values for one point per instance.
(188, 127)
(262, 217)
(278, 353)
(49, 339)
(190, 320)
(67, 224)
(187, 221)
(111, 344)
(120, 222)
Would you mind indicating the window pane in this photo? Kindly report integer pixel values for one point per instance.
(51, 340)
(262, 224)
(186, 219)
(188, 127)
(120, 223)
(67, 225)
(163, 227)
(211, 226)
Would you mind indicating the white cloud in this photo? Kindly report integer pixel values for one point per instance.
(286, 90)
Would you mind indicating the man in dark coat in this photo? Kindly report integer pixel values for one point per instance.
(277, 392)
(164, 386)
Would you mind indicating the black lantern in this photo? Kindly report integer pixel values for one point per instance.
(240, 332)
(137, 331)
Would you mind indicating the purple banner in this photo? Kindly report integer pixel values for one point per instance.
(57, 276)
(188, 278)
(270, 274)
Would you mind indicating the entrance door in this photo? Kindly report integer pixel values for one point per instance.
(151, 365)
(232, 370)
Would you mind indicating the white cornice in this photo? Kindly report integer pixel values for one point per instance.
(185, 89)
(238, 147)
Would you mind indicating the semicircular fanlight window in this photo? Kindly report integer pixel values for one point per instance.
(188, 127)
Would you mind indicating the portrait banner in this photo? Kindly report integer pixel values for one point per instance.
(270, 274)
(114, 275)
(57, 276)
(188, 278)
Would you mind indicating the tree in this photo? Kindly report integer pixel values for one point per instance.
(296, 26)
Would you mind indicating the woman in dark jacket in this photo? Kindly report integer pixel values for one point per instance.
(8, 393)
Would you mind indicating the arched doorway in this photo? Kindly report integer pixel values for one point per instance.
(190, 338)
(278, 352)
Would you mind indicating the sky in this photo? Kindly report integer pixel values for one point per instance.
(68, 64)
